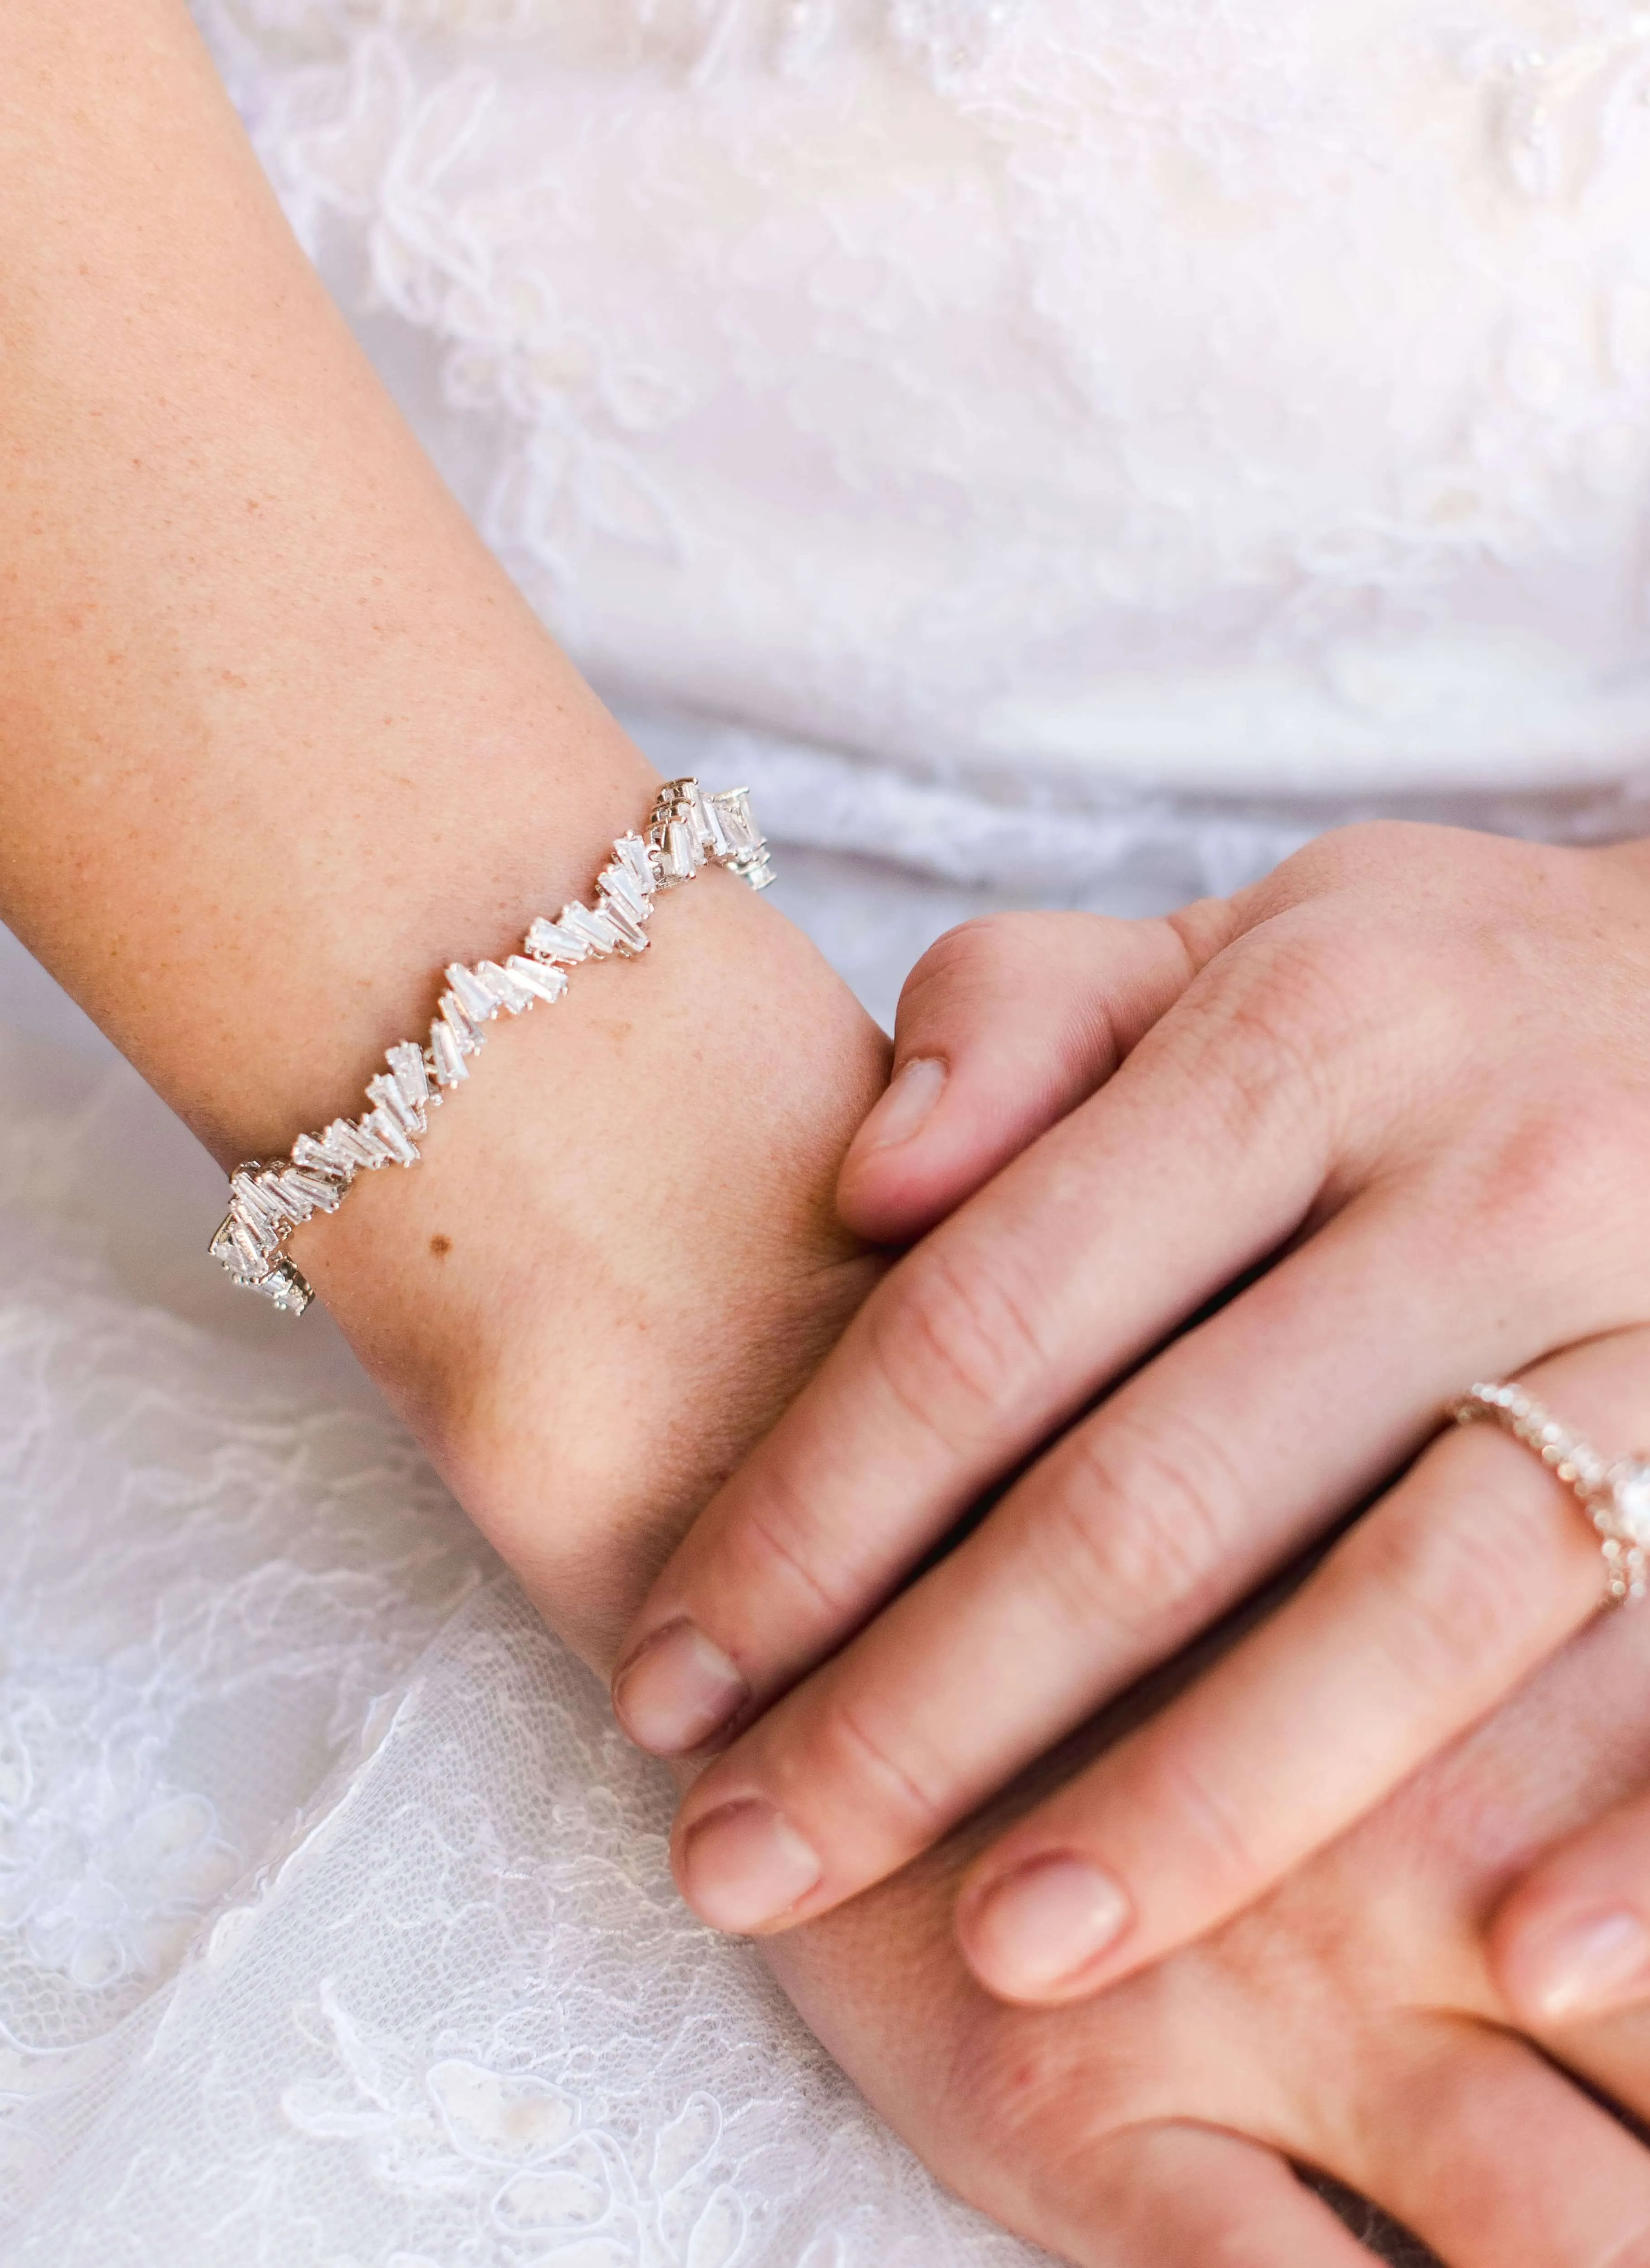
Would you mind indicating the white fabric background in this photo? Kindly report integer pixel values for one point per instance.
(1098, 398)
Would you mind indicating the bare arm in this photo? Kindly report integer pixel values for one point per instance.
(277, 739)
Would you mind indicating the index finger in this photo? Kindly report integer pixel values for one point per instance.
(1201, 1156)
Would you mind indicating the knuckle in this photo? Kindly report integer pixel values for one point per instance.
(1324, 1023)
(1555, 1197)
(855, 1754)
(1267, 1040)
(779, 1546)
(1555, 1165)
(1023, 2092)
(978, 953)
(1231, 1855)
(960, 967)
(1136, 1534)
(1350, 855)
(1003, 967)
(957, 1345)
(1447, 1607)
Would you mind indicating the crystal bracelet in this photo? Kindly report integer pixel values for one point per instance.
(268, 1200)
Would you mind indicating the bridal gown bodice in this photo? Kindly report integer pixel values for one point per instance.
(1059, 449)
(1133, 394)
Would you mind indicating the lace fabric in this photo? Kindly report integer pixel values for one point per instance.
(335, 1924)
(1161, 399)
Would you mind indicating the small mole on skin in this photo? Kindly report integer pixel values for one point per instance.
(441, 1246)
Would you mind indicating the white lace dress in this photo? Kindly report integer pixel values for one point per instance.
(1057, 450)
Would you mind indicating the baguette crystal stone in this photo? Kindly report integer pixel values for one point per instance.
(465, 1034)
(637, 863)
(268, 1200)
(393, 1136)
(751, 860)
(632, 936)
(293, 1204)
(617, 886)
(312, 1150)
(682, 861)
(234, 1247)
(548, 942)
(699, 822)
(543, 980)
(321, 1192)
(407, 1061)
(250, 1252)
(289, 1209)
(252, 1203)
(733, 806)
(449, 1062)
(305, 1192)
(353, 1141)
(386, 1092)
(594, 932)
(472, 994)
(502, 987)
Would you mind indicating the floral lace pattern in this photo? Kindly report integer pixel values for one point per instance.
(213, 1566)
(104, 1870)
(335, 1924)
(1162, 404)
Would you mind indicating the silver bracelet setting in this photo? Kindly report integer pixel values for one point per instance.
(1613, 1492)
(267, 1199)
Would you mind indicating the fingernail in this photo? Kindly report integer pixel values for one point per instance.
(745, 1865)
(1038, 1925)
(1602, 1961)
(902, 1109)
(676, 1690)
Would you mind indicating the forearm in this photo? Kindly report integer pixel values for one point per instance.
(277, 741)
(274, 723)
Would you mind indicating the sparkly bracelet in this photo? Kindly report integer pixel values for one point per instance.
(688, 830)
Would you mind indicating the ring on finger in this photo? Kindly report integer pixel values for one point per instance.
(1613, 1492)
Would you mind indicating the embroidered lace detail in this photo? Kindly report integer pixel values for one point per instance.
(212, 1566)
(335, 1922)
(1193, 403)
(106, 1868)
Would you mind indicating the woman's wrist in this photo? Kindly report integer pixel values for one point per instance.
(620, 1257)
(282, 741)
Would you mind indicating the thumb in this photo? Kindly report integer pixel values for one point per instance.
(1004, 1025)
